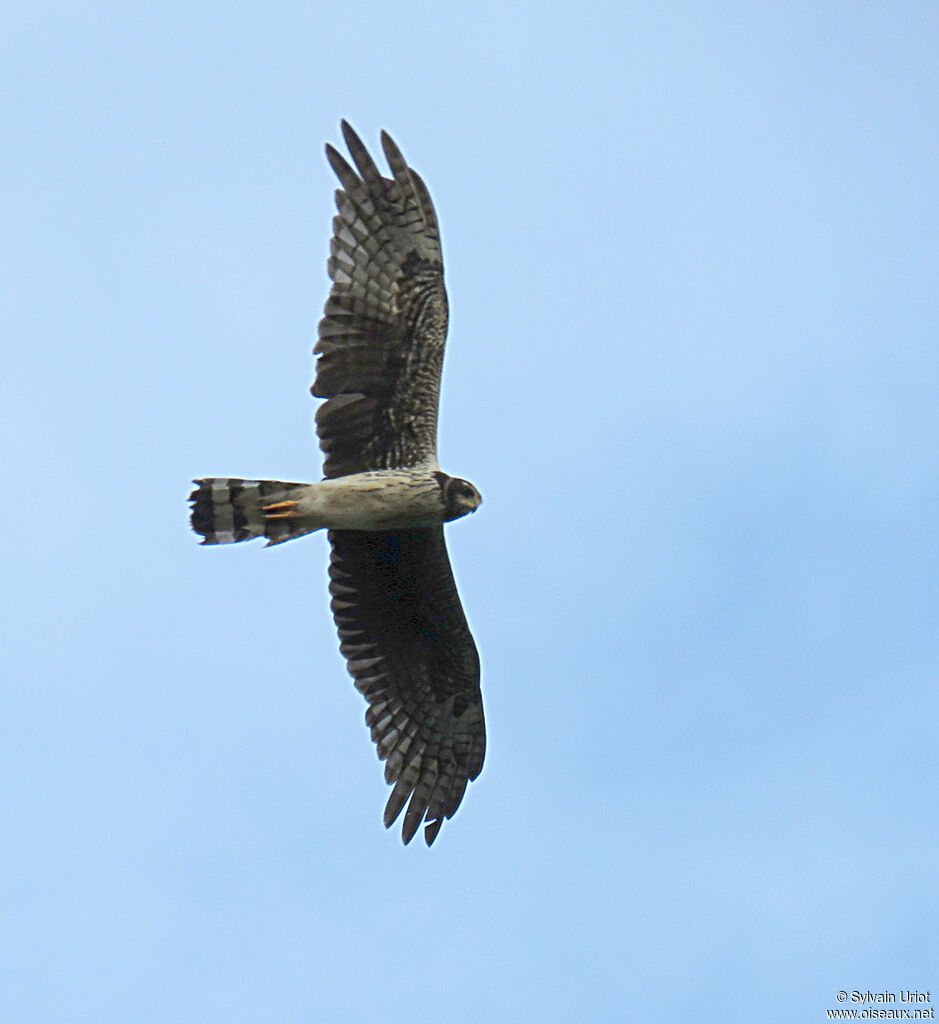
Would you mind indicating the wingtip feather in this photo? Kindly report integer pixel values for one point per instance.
(360, 155)
(341, 169)
(393, 155)
(431, 829)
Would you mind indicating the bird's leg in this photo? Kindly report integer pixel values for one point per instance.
(281, 510)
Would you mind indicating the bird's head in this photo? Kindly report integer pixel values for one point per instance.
(460, 497)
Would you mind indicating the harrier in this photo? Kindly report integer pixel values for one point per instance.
(384, 498)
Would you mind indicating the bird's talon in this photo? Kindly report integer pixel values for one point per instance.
(281, 510)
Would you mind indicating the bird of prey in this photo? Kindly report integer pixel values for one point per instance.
(384, 498)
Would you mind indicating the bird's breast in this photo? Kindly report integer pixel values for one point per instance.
(386, 499)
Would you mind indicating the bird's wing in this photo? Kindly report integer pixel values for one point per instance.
(407, 645)
(382, 337)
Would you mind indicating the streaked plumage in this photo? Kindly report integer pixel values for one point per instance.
(384, 498)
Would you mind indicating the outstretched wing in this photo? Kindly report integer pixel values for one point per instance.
(382, 337)
(408, 647)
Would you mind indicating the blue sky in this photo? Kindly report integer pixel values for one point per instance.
(691, 252)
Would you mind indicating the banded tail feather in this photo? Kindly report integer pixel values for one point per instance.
(226, 511)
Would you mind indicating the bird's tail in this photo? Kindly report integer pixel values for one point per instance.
(226, 511)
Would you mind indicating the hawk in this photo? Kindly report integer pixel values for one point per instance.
(384, 498)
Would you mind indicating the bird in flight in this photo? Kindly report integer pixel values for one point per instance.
(384, 498)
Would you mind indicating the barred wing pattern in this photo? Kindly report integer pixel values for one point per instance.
(404, 635)
(382, 337)
(401, 626)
